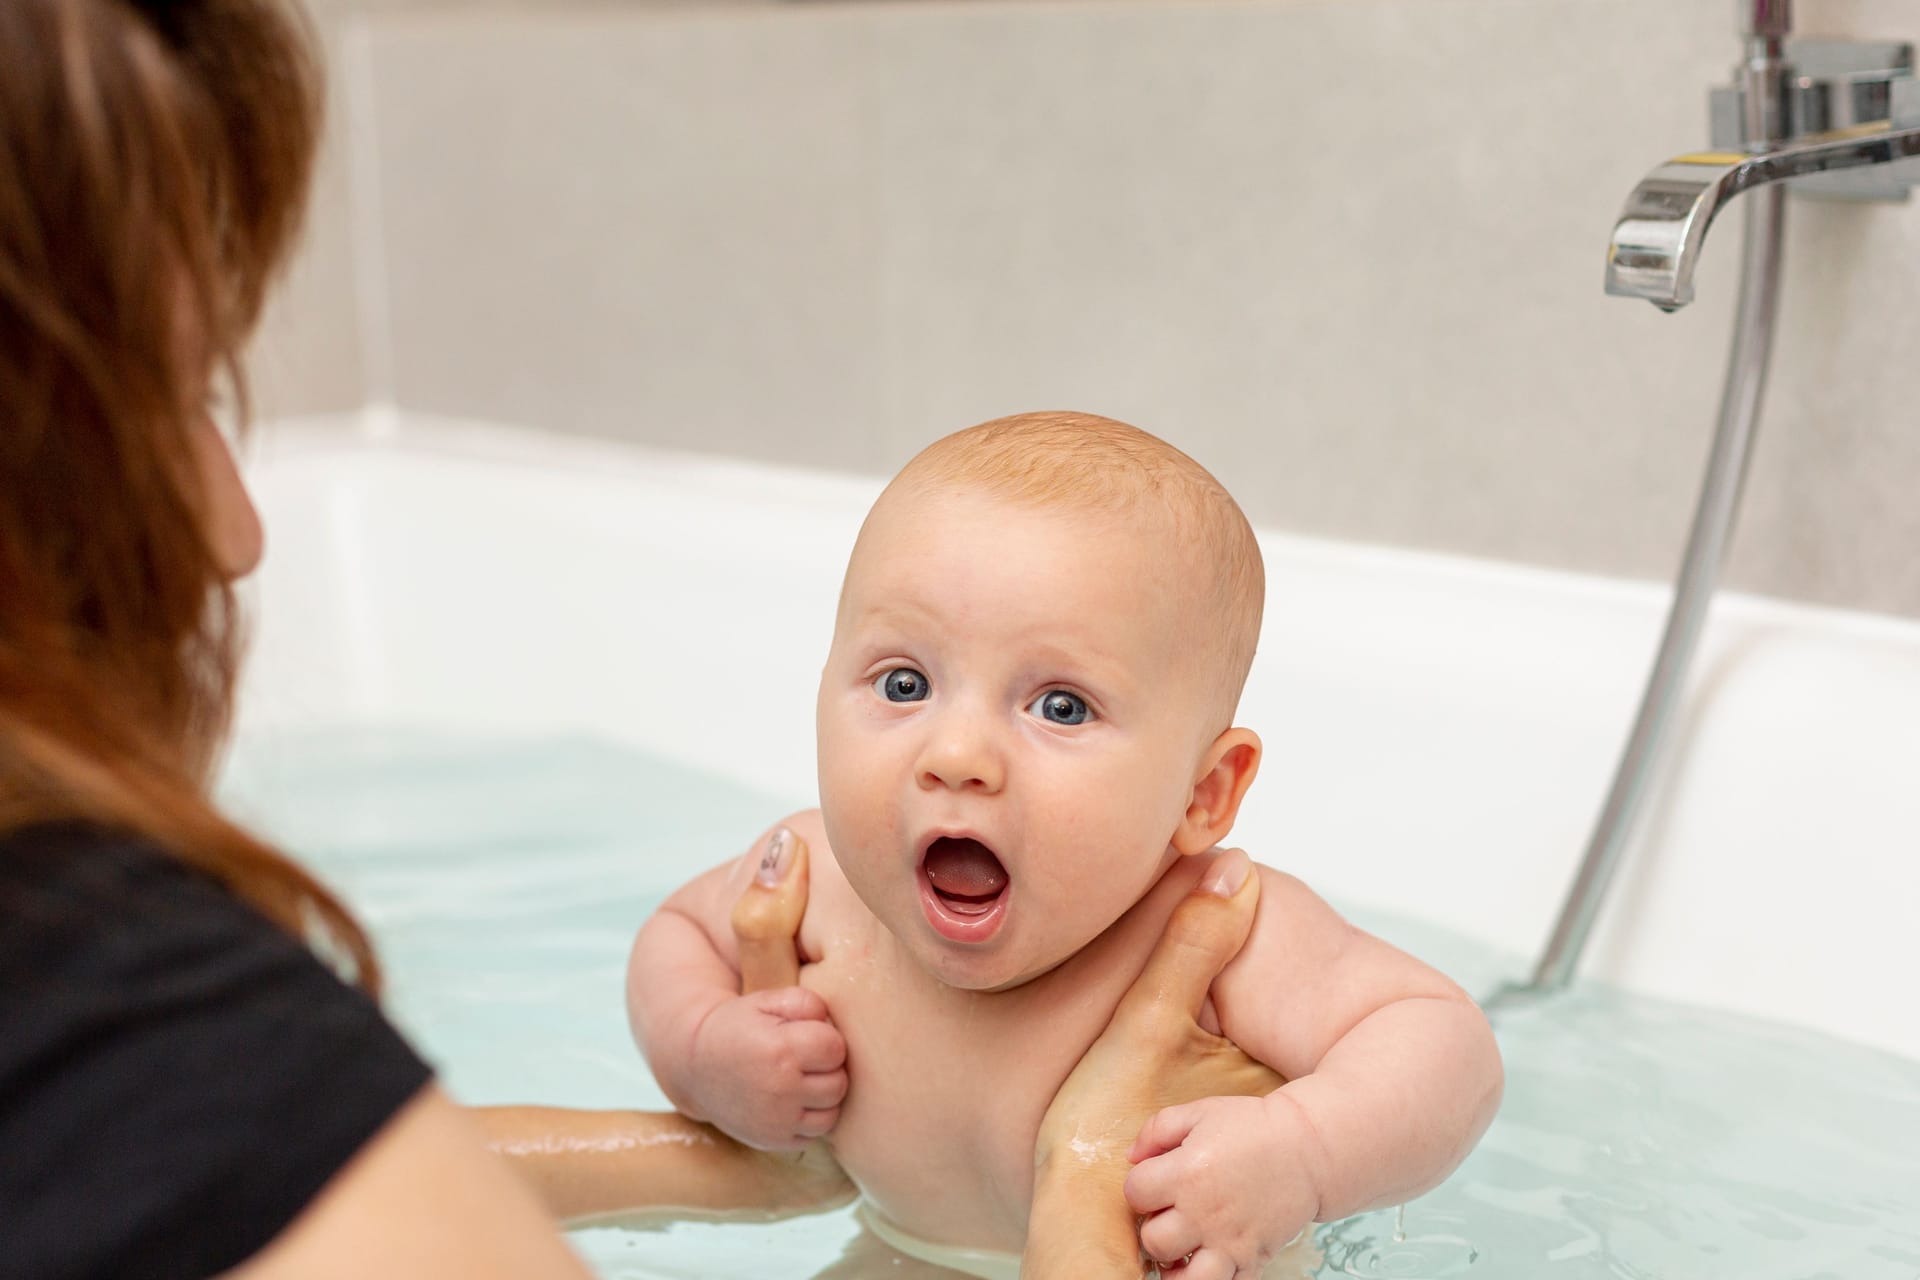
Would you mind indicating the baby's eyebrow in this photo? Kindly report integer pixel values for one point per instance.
(887, 615)
(902, 621)
(893, 617)
(1087, 662)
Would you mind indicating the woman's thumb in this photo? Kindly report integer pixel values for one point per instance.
(1205, 931)
(767, 914)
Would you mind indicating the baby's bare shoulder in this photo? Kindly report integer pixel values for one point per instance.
(1290, 902)
(1287, 903)
(710, 897)
(1297, 932)
(1306, 976)
(832, 905)
(828, 885)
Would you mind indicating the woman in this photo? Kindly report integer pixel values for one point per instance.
(184, 1087)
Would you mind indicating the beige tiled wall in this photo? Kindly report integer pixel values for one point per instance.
(1347, 252)
(308, 356)
(322, 346)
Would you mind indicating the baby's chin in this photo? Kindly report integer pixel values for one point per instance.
(983, 971)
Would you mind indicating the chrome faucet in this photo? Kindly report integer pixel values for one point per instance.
(1826, 118)
(1811, 113)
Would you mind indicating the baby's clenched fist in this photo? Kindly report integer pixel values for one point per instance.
(770, 1068)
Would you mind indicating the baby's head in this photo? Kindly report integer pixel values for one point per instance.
(1026, 716)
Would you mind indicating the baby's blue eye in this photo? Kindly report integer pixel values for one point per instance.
(1057, 706)
(902, 684)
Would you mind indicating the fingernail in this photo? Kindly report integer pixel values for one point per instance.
(1229, 872)
(775, 861)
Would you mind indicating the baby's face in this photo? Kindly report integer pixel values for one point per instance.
(1011, 722)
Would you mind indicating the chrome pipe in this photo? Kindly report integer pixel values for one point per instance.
(1713, 522)
(1773, 113)
(1763, 77)
(1763, 19)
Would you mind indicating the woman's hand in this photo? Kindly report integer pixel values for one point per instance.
(767, 915)
(769, 1066)
(1154, 1054)
(602, 1166)
(766, 926)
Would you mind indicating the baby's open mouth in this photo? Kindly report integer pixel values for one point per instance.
(965, 876)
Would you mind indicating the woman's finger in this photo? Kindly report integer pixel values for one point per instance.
(1206, 930)
(1169, 1236)
(767, 915)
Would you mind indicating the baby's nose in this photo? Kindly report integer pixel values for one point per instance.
(961, 757)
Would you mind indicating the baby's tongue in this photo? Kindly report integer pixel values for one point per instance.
(965, 869)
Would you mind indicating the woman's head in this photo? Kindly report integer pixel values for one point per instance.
(154, 164)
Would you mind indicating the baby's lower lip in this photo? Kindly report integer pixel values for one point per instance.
(963, 920)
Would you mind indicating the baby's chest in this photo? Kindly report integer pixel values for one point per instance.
(946, 1090)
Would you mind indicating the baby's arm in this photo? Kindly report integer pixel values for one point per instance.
(1392, 1076)
(768, 1068)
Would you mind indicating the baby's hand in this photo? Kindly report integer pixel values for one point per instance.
(1224, 1185)
(771, 1068)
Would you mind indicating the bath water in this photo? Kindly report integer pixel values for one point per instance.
(503, 881)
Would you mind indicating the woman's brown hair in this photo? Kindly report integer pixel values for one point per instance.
(154, 165)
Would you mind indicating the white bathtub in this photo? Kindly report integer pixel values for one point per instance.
(1439, 732)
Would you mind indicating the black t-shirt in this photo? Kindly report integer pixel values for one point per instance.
(178, 1077)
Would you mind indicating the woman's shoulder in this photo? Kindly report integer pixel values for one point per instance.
(76, 888)
(111, 944)
(178, 1076)
(73, 856)
(80, 900)
(72, 852)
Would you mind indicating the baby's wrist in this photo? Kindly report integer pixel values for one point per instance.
(685, 1072)
(1290, 1121)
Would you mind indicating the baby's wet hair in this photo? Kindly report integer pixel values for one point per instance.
(1080, 461)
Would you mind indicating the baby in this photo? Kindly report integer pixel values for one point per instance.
(1027, 758)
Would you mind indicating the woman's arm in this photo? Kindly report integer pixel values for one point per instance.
(1153, 1054)
(419, 1200)
(597, 1167)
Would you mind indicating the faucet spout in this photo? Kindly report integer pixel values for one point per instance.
(1658, 238)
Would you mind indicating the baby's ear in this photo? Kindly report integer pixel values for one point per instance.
(1226, 771)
